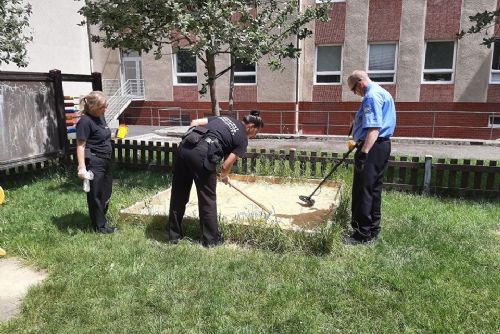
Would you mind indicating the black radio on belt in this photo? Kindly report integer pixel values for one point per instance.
(194, 135)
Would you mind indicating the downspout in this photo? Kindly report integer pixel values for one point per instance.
(297, 69)
(90, 49)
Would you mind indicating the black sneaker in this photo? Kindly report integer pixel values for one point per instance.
(108, 230)
(353, 240)
(173, 241)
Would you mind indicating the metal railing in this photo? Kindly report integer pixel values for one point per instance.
(119, 98)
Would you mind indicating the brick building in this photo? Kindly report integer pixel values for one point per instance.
(443, 87)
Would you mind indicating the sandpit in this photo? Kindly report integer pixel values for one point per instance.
(278, 194)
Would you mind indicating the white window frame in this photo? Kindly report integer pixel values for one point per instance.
(490, 123)
(246, 74)
(183, 74)
(492, 71)
(424, 71)
(321, 1)
(328, 72)
(393, 72)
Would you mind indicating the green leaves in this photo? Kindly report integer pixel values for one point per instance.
(483, 22)
(249, 30)
(14, 21)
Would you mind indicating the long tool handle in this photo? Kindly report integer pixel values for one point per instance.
(262, 206)
(334, 168)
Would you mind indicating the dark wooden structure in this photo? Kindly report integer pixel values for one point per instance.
(32, 117)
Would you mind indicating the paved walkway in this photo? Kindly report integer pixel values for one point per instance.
(15, 280)
(438, 148)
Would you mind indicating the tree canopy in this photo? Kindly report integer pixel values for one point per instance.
(14, 21)
(246, 29)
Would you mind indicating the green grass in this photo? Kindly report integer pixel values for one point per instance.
(435, 269)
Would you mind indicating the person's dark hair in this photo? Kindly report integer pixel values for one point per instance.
(254, 118)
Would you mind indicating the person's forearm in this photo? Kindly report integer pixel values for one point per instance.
(199, 122)
(228, 164)
(80, 154)
(371, 138)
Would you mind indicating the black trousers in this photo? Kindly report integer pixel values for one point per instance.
(188, 168)
(367, 192)
(100, 191)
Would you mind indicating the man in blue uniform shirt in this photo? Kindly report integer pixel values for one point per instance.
(374, 125)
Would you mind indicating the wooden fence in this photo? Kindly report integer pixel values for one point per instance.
(414, 174)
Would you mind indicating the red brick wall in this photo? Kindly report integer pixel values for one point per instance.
(323, 93)
(333, 31)
(437, 93)
(245, 93)
(414, 119)
(443, 19)
(185, 93)
(384, 20)
(493, 93)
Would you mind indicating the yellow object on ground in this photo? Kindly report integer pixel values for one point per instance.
(2, 196)
(122, 131)
(2, 252)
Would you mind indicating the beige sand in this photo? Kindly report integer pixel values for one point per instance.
(281, 198)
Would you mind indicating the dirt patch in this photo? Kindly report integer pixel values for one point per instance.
(281, 197)
(15, 280)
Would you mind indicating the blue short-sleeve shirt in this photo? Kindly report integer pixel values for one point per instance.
(377, 111)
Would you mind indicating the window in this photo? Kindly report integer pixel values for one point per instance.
(244, 73)
(494, 121)
(328, 64)
(439, 62)
(495, 65)
(382, 62)
(185, 68)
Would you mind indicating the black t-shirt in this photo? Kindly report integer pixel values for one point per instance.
(95, 132)
(231, 134)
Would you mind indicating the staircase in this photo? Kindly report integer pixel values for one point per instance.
(120, 96)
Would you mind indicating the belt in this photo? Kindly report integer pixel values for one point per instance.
(378, 141)
(382, 139)
(102, 155)
(211, 140)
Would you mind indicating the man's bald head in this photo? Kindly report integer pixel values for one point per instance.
(357, 76)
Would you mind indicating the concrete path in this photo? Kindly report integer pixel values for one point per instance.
(15, 280)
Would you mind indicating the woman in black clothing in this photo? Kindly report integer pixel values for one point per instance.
(208, 141)
(93, 152)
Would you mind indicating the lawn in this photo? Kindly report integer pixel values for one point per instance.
(436, 269)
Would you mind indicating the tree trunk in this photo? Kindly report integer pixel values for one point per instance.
(231, 85)
(211, 83)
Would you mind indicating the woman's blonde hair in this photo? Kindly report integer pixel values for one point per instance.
(90, 103)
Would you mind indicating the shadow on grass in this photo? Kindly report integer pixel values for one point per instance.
(73, 222)
(157, 228)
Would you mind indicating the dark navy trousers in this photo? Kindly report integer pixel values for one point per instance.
(188, 168)
(367, 192)
(100, 191)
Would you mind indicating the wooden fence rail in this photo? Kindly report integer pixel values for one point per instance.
(415, 174)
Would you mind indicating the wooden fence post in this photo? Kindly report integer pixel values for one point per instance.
(96, 81)
(60, 114)
(293, 151)
(427, 174)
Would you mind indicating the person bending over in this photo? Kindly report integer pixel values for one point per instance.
(207, 142)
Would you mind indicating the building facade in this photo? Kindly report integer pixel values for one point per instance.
(443, 86)
(58, 42)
